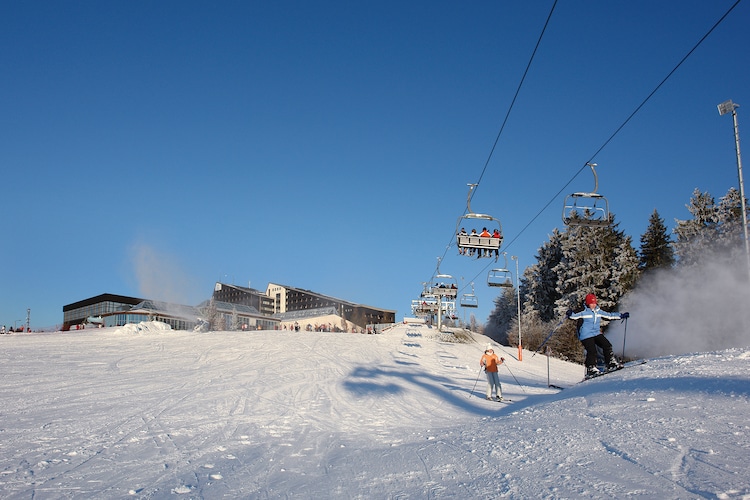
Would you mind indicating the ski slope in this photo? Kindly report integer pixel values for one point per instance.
(144, 412)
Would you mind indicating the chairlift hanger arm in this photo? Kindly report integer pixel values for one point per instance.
(468, 197)
(596, 177)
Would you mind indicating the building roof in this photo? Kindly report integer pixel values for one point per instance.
(167, 309)
(306, 313)
(328, 297)
(230, 308)
(104, 297)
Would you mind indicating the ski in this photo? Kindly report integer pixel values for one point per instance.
(622, 366)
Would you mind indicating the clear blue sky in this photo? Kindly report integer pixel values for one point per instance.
(153, 148)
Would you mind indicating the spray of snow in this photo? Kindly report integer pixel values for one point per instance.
(159, 277)
(683, 310)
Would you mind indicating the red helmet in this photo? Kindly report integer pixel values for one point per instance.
(590, 299)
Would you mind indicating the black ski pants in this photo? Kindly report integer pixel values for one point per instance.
(590, 345)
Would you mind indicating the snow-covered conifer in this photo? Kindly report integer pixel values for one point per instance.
(501, 318)
(656, 245)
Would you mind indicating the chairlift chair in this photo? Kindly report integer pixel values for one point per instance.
(500, 277)
(469, 299)
(586, 209)
(474, 245)
(445, 286)
(425, 306)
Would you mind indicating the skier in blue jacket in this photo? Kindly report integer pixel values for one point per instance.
(591, 336)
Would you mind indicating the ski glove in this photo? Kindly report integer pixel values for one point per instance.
(624, 315)
(569, 313)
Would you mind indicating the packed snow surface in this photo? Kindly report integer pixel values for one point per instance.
(146, 412)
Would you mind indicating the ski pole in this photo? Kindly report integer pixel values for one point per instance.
(514, 377)
(475, 383)
(550, 335)
(624, 335)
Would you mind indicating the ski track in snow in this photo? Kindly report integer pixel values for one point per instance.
(147, 413)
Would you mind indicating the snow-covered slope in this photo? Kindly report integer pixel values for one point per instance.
(148, 413)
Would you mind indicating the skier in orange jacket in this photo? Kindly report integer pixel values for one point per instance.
(489, 363)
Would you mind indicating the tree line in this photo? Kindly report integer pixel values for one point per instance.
(602, 260)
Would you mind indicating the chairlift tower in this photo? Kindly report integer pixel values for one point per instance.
(447, 288)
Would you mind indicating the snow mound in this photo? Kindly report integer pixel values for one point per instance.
(144, 328)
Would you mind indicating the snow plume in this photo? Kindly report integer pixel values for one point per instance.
(158, 276)
(685, 309)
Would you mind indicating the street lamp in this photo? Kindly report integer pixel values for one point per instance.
(518, 303)
(730, 107)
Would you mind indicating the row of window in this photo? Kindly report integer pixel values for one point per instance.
(94, 310)
(125, 318)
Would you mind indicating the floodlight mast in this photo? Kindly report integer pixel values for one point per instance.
(518, 305)
(725, 108)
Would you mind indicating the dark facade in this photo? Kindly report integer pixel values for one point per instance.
(289, 299)
(106, 303)
(234, 294)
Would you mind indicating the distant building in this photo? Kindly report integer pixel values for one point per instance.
(234, 294)
(178, 316)
(227, 316)
(78, 313)
(289, 299)
(231, 307)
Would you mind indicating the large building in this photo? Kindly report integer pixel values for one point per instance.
(79, 312)
(118, 310)
(234, 294)
(231, 307)
(289, 299)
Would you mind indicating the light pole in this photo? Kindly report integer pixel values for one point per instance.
(730, 107)
(518, 303)
(462, 306)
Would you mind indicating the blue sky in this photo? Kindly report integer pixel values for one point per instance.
(153, 148)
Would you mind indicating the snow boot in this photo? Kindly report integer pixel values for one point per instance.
(499, 398)
(613, 365)
(592, 371)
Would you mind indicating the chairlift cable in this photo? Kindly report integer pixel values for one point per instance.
(606, 142)
(617, 131)
(507, 116)
(515, 96)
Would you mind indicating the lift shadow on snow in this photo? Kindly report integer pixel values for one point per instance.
(384, 383)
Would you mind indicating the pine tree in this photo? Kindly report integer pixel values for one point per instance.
(626, 272)
(212, 315)
(595, 260)
(715, 232)
(235, 319)
(501, 318)
(696, 236)
(539, 285)
(598, 260)
(729, 217)
(656, 245)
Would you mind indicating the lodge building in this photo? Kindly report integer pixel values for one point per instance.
(231, 307)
